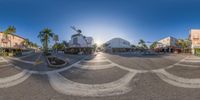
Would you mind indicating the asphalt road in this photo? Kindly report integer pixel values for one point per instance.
(102, 77)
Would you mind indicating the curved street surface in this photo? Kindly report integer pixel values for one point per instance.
(101, 77)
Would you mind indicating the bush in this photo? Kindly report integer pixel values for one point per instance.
(197, 51)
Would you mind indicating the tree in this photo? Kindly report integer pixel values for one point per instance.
(133, 46)
(94, 46)
(59, 46)
(153, 45)
(65, 43)
(183, 44)
(142, 44)
(11, 29)
(45, 36)
(35, 45)
(187, 43)
(26, 42)
(55, 38)
(31, 44)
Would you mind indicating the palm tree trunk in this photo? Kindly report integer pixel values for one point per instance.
(46, 44)
(56, 46)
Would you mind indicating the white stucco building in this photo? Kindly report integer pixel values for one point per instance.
(167, 44)
(117, 44)
(79, 40)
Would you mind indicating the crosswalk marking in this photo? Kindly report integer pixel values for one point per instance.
(178, 81)
(68, 87)
(96, 67)
(14, 80)
(120, 86)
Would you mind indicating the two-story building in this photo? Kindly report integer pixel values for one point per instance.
(167, 44)
(80, 44)
(12, 44)
(195, 40)
(117, 45)
(11, 41)
(79, 40)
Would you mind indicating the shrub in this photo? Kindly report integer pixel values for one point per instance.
(197, 51)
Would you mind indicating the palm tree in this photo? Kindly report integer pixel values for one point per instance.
(45, 36)
(31, 44)
(55, 38)
(94, 46)
(9, 30)
(142, 44)
(35, 45)
(65, 43)
(133, 46)
(187, 43)
(26, 43)
(183, 44)
(153, 45)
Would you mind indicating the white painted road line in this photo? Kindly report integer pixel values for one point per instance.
(171, 66)
(14, 80)
(195, 66)
(178, 81)
(128, 69)
(96, 60)
(191, 61)
(2, 59)
(6, 65)
(95, 67)
(26, 56)
(24, 61)
(68, 87)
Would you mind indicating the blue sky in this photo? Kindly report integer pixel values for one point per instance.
(150, 20)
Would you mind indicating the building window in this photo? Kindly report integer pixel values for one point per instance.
(75, 41)
(196, 36)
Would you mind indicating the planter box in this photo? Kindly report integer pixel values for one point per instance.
(55, 62)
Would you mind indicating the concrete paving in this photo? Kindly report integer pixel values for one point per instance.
(148, 62)
(186, 72)
(32, 57)
(7, 69)
(107, 77)
(30, 62)
(94, 76)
